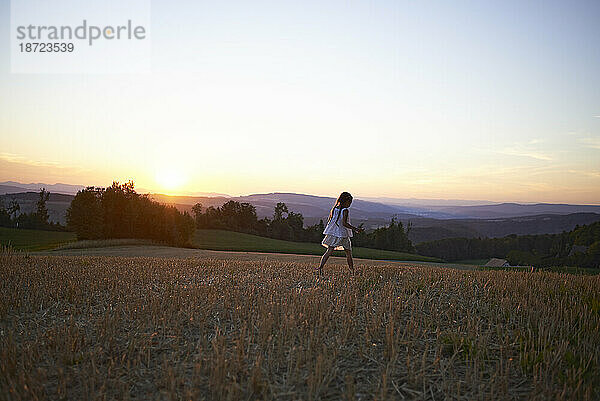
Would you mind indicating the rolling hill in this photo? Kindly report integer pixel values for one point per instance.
(424, 230)
(429, 222)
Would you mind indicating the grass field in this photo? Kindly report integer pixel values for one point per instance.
(556, 269)
(34, 240)
(225, 328)
(220, 240)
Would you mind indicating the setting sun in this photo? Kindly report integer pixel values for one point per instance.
(169, 178)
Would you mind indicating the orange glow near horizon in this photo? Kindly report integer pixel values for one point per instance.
(170, 179)
(177, 177)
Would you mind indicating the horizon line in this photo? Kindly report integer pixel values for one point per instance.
(378, 199)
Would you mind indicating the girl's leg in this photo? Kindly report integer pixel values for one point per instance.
(324, 258)
(349, 259)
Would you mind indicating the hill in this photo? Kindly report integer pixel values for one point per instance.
(504, 210)
(440, 221)
(313, 208)
(57, 204)
(579, 247)
(374, 214)
(432, 229)
(218, 240)
(13, 186)
(11, 189)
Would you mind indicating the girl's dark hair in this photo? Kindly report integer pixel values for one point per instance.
(344, 197)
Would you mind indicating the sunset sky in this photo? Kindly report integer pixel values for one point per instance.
(491, 100)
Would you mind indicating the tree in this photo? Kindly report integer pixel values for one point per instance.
(393, 238)
(212, 218)
(85, 214)
(279, 227)
(5, 220)
(13, 209)
(295, 222)
(42, 210)
(522, 258)
(314, 233)
(37, 220)
(593, 255)
(197, 211)
(185, 228)
(280, 209)
(246, 217)
(117, 209)
(544, 250)
(230, 214)
(119, 212)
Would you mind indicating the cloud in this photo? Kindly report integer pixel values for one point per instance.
(14, 158)
(529, 149)
(590, 142)
(590, 173)
(43, 166)
(521, 152)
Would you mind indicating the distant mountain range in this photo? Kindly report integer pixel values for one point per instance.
(315, 207)
(503, 210)
(433, 219)
(11, 187)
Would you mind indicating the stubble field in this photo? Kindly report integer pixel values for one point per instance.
(81, 327)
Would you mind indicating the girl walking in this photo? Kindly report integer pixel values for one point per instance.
(338, 231)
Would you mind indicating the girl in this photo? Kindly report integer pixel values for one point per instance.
(338, 231)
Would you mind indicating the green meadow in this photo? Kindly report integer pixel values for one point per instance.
(221, 240)
(218, 240)
(34, 240)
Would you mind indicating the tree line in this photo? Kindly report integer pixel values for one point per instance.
(11, 216)
(288, 225)
(241, 217)
(120, 212)
(544, 250)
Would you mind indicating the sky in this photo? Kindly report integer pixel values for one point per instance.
(482, 100)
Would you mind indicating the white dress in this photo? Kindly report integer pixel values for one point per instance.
(336, 235)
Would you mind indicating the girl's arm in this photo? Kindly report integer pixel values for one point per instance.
(345, 221)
